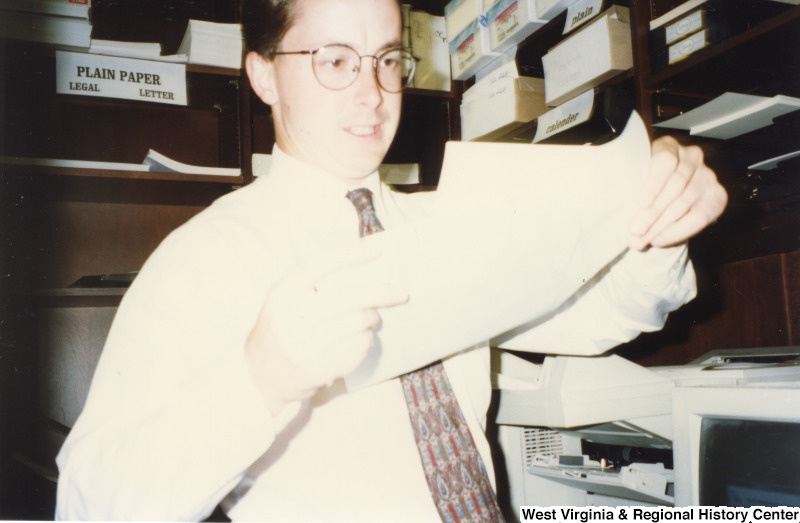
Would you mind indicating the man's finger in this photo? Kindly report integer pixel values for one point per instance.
(673, 170)
(646, 218)
(663, 161)
(351, 291)
(678, 208)
(680, 231)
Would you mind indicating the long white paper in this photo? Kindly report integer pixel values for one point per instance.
(160, 163)
(732, 114)
(79, 164)
(772, 163)
(518, 229)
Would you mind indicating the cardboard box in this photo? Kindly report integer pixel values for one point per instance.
(593, 54)
(470, 51)
(509, 104)
(510, 22)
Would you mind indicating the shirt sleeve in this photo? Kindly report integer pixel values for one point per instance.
(633, 294)
(173, 418)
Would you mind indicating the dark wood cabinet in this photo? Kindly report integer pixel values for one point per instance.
(58, 224)
(746, 262)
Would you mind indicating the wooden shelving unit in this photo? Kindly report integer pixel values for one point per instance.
(746, 262)
(59, 224)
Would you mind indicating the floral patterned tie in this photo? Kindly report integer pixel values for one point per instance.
(454, 470)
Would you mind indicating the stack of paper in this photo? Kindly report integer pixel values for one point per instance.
(67, 8)
(150, 50)
(140, 50)
(153, 162)
(212, 43)
(159, 163)
(732, 114)
(60, 22)
(70, 163)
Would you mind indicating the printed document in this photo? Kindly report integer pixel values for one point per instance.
(518, 229)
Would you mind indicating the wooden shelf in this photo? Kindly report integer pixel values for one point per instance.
(210, 69)
(745, 261)
(120, 174)
(413, 91)
(80, 297)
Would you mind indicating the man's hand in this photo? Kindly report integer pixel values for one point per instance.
(308, 333)
(680, 198)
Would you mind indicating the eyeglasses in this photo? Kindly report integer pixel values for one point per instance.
(337, 66)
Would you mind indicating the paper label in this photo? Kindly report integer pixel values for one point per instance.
(581, 12)
(685, 26)
(464, 50)
(126, 78)
(565, 116)
(506, 21)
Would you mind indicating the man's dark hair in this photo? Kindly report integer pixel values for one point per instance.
(265, 22)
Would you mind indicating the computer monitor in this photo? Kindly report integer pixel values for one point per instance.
(737, 446)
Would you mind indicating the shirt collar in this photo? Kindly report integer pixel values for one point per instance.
(319, 196)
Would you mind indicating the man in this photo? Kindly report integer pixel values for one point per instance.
(220, 382)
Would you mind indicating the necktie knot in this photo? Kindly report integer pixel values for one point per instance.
(368, 222)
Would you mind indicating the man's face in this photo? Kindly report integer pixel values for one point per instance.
(346, 132)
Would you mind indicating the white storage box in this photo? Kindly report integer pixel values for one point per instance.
(458, 14)
(470, 51)
(510, 22)
(508, 104)
(548, 9)
(593, 54)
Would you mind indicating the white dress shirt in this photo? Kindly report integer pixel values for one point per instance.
(174, 423)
